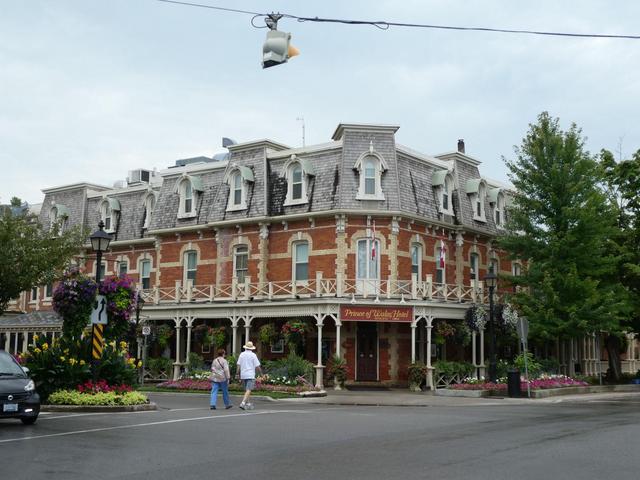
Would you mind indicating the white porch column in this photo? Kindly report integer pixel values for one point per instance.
(189, 327)
(247, 331)
(176, 365)
(430, 384)
(319, 366)
(474, 348)
(25, 341)
(482, 368)
(413, 342)
(7, 341)
(234, 339)
(338, 349)
(15, 344)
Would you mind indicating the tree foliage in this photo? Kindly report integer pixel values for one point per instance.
(562, 224)
(31, 255)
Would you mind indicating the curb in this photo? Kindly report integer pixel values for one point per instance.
(99, 408)
(550, 392)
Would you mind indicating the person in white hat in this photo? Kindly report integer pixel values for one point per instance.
(248, 363)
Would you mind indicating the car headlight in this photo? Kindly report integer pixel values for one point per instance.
(30, 387)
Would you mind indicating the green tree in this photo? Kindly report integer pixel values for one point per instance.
(31, 255)
(622, 181)
(562, 224)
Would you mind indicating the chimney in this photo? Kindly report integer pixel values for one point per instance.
(461, 145)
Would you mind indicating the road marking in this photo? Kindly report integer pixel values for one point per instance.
(121, 427)
(48, 415)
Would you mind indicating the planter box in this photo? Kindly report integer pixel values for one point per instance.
(447, 392)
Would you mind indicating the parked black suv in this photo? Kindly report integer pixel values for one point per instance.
(18, 396)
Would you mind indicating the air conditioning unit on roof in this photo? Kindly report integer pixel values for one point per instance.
(138, 176)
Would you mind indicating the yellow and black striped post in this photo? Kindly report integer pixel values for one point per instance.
(97, 341)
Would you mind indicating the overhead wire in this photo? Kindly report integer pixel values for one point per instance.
(385, 25)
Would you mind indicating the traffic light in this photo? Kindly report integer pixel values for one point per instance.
(277, 48)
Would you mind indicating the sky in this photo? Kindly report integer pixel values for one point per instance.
(90, 89)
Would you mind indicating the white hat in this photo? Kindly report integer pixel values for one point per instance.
(249, 346)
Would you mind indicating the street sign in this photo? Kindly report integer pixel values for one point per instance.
(99, 312)
(522, 328)
(146, 330)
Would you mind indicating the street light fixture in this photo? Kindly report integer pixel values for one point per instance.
(491, 281)
(100, 241)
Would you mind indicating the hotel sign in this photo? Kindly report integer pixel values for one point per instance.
(350, 313)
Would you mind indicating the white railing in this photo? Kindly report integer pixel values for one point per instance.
(340, 287)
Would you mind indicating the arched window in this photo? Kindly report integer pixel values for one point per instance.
(149, 205)
(190, 266)
(416, 260)
(477, 191)
(499, 210)
(53, 218)
(297, 171)
(105, 214)
(237, 190)
(238, 178)
(188, 188)
(446, 192)
(441, 265)
(301, 261)
(442, 182)
(474, 265)
(187, 197)
(241, 262)
(370, 168)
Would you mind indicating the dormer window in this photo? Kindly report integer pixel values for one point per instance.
(149, 205)
(58, 217)
(238, 178)
(188, 188)
(109, 211)
(370, 167)
(442, 182)
(477, 191)
(496, 197)
(297, 171)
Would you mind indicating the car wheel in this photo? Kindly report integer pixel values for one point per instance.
(29, 420)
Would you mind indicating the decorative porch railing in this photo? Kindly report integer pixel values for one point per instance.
(376, 289)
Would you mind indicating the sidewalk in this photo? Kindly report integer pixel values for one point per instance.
(405, 398)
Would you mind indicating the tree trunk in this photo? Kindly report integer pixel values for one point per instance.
(612, 344)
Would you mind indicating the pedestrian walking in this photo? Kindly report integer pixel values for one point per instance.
(248, 363)
(220, 377)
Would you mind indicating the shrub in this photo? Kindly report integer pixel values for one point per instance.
(292, 366)
(534, 367)
(73, 300)
(163, 334)
(417, 373)
(74, 397)
(121, 299)
(158, 365)
(268, 334)
(338, 369)
(449, 369)
(195, 361)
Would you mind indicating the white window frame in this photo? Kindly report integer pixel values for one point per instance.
(498, 215)
(304, 181)
(149, 205)
(186, 270)
(236, 254)
(367, 282)
(474, 268)
(48, 292)
(379, 167)
(236, 183)
(184, 190)
(478, 202)
(119, 264)
(447, 187)
(142, 272)
(440, 269)
(37, 296)
(296, 261)
(107, 216)
(416, 259)
(516, 269)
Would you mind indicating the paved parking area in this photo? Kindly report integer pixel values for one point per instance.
(293, 440)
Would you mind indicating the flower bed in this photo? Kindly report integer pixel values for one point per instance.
(74, 397)
(542, 383)
(205, 386)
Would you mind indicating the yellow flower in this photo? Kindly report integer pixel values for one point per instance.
(123, 345)
(72, 361)
(37, 350)
(62, 359)
(66, 351)
(112, 344)
(45, 346)
(36, 338)
(131, 361)
(139, 363)
(82, 362)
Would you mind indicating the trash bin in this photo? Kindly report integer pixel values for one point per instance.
(513, 383)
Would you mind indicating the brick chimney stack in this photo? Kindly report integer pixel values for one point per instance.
(461, 145)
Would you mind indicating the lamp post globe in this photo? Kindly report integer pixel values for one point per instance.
(100, 241)
(491, 281)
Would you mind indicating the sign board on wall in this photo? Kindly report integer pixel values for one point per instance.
(349, 313)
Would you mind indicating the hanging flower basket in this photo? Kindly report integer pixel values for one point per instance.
(294, 332)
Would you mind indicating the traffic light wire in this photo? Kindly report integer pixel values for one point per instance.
(384, 25)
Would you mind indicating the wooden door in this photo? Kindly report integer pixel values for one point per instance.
(367, 352)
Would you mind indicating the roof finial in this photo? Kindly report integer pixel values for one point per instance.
(371, 146)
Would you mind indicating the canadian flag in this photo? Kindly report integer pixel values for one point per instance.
(373, 241)
(443, 253)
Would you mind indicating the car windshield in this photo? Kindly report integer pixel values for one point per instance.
(9, 368)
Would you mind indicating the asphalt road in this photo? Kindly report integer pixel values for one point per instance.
(591, 439)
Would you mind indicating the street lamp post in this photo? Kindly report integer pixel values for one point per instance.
(491, 280)
(99, 243)
(139, 305)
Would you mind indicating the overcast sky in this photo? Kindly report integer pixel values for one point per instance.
(90, 89)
